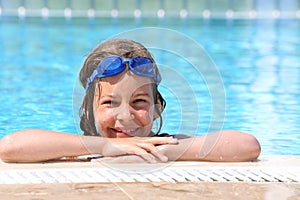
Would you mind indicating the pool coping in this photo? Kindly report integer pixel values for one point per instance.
(185, 190)
(262, 161)
(266, 169)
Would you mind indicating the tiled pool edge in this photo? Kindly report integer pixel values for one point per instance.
(268, 169)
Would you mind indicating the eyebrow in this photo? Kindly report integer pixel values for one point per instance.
(108, 96)
(134, 95)
(141, 94)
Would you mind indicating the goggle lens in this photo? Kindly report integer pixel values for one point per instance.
(114, 65)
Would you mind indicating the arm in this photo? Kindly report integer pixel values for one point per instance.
(41, 145)
(226, 146)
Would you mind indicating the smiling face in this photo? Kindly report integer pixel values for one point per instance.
(124, 106)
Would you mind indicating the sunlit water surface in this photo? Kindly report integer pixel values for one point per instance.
(258, 61)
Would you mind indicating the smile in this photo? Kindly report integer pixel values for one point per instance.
(124, 132)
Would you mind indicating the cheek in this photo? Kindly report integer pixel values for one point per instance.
(103, 118)
(145, 117)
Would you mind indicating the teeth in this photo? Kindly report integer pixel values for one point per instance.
(127, 131)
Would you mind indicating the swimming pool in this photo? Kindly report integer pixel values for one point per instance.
(258, 61)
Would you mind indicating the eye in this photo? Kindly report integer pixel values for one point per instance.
(139, 101)
(110, 103)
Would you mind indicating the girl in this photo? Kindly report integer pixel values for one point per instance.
(121, 102)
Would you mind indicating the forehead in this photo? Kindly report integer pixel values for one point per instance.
(126, 83)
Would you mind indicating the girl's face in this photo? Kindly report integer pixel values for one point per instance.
(124, 106)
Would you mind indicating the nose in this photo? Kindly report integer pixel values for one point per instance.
(124, 112)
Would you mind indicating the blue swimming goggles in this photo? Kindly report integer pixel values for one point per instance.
(113, 65)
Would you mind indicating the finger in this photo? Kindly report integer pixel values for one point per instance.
(162, 140)
(131, 159)
(141, 151)
(154, 151)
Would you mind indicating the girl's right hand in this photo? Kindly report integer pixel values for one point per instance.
(145, 147)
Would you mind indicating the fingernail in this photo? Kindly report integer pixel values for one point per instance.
(164, 158)
(174, 141)
(153, 161)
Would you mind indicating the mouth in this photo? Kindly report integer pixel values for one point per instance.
(124, 132)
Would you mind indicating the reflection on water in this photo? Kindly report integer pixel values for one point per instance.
(258, 61)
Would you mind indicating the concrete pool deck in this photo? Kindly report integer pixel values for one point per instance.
(274, 177)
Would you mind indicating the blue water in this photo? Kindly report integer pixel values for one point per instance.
(258, 61)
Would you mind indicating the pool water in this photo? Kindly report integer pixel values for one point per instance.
(258, 61)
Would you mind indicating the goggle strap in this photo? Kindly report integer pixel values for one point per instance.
(91, 79)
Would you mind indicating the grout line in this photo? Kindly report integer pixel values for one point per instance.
(123, 190)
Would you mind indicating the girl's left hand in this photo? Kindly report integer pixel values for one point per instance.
(144, 147)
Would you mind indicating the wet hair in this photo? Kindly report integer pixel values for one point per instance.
(121, 47)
